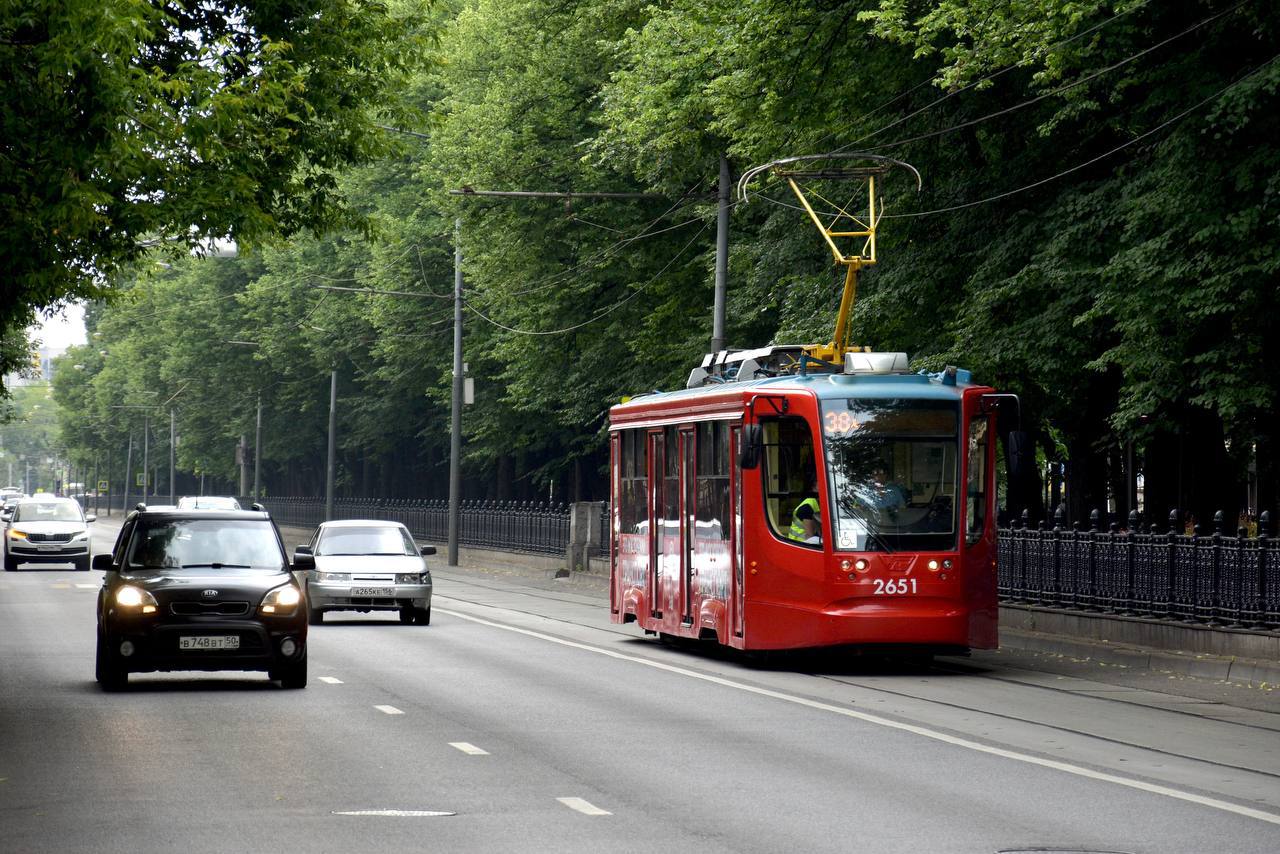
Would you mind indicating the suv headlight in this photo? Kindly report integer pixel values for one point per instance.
(80, 535)
(281, 601)
(135, 598)
(15, 534)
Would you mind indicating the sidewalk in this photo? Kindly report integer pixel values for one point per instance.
(1019, 646)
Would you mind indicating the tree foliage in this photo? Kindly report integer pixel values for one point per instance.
(127, 123)
(1097, 231)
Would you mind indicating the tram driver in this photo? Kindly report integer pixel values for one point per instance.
(806, 519)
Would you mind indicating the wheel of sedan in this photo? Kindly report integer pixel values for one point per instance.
(293, 675)
(406, 616)
(10, 565)
(423, 616)
(107, 669)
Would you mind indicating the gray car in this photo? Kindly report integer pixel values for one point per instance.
(367, 565)
(47, 530)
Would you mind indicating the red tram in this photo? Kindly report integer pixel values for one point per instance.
(710, 486)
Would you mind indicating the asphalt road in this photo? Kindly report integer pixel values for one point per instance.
(521, 720)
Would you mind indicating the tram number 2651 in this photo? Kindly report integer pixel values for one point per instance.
(893, 586)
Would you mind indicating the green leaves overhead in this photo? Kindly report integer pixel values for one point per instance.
(1097, 229)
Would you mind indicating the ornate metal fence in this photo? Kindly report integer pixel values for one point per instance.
(1212, 579)
(505, 525)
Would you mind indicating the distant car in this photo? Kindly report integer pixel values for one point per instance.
(200, 590)
(7, 506)
(367, 565)
(47, 530)
(208, 502)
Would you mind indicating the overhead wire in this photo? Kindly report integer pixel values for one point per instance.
(1059, 89)
(599, 314)
(1172, 120)
(985, 79)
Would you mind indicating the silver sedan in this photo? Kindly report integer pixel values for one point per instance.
(367, 565)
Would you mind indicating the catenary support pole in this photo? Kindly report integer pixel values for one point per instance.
(173, 435)
(257, 453)
(333, 426)
(455, 429)
(146, 456)
(128, 474)
(722, 258)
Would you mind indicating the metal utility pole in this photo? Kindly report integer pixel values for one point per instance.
(333, 427)
(146, 450)
(257, 451)
(722, 258)
(128, 474)
(455, 430)
(244, 464)
(173, 434)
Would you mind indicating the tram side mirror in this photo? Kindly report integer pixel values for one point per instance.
(752, 440)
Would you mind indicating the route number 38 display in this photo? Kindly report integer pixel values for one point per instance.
(893, 586)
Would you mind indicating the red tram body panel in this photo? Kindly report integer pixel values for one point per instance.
(901, 469)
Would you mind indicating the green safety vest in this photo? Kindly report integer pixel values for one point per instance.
(797, 527)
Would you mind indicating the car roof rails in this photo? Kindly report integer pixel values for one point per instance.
(140, 506)
(258, 507)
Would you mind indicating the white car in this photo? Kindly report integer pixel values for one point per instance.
(367, 565)
(47, 530)
(208, 502)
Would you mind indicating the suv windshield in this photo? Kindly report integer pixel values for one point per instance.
(365, 541)
(48, 511)
(205, 544)
(893, 467)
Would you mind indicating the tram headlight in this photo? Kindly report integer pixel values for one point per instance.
(934, 566)
(861, 564)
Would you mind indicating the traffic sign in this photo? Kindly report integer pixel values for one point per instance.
(103, 486)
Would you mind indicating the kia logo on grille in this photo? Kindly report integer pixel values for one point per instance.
(208, 594)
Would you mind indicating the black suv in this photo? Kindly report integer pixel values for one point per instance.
(200, 590)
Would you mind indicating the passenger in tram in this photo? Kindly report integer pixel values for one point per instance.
(886, 493)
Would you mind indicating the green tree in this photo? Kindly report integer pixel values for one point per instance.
(124, 124)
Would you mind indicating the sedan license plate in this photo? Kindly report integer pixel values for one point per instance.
(373, 592)
(202, 642)
(43, 547)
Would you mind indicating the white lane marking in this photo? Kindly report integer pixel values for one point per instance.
(330, 680)
(1057, 765)
(88, 586)
(469, 749)
(61, 586)
(584, 807)
(389, 710)
(396, 813)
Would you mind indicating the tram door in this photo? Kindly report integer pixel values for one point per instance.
(688, 529)
(735, 514)
(653, 584)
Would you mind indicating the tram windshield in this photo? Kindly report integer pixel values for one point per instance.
(893, 466)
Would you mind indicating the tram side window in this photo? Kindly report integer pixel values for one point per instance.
(712, 519)
(789, 469)
(976, 490)
(634, 483)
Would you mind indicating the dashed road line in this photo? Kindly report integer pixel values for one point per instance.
(926, 732)
(469, 749)
(584, 807)
(88, 586)
(389, 710)
(61, 586)
(330, 680)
